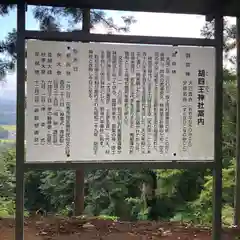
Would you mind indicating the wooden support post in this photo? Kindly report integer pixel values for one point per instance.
(79, 181)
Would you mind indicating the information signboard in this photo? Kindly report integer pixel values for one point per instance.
(119, 103)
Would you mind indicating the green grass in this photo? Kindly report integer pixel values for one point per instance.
(7, 140)
(106, 217)
(9, 127)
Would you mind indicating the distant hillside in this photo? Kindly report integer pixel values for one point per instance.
(7, 112)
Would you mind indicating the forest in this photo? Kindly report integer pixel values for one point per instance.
(179, 195)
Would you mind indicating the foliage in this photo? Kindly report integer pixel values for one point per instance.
(7, 207)
(204, 201)
(7, 182)
(7, 174)
(105, 217)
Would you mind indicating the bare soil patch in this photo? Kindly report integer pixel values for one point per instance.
(59, 228)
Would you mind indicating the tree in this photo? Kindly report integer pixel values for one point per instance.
(49, 19)
(6, 65)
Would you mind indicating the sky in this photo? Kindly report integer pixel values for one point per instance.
(151, 24)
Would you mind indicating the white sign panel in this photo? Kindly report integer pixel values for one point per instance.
(106, 102)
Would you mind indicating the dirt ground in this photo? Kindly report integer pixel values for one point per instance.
(57, 228)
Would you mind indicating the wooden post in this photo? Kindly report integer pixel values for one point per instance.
(79, 181)
(237, 188)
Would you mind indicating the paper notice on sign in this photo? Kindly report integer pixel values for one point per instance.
(51, 70)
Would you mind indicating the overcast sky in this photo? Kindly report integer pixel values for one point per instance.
(151, 24)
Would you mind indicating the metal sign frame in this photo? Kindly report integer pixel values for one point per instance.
(85, 36)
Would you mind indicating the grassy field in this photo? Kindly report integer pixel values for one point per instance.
(7, 140)
(9, 127)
